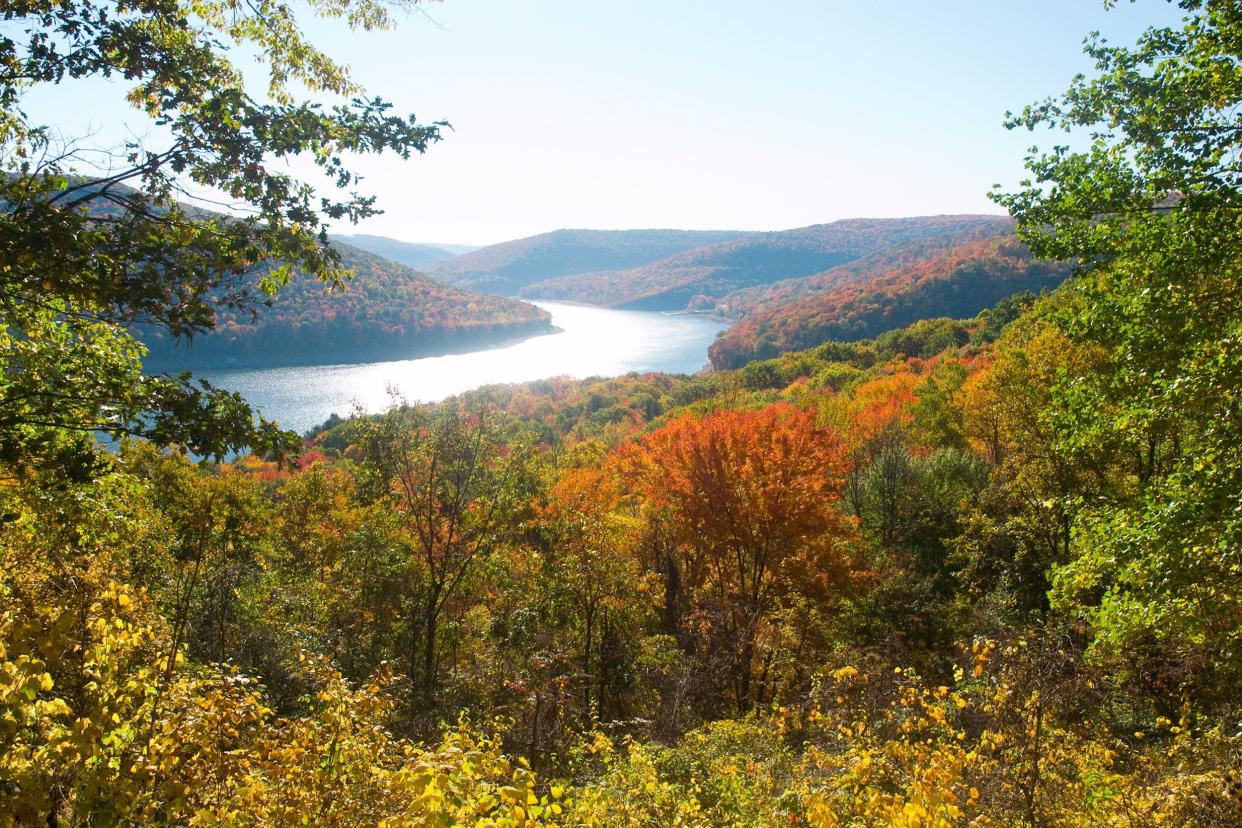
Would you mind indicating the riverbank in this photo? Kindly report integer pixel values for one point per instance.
(281, 349)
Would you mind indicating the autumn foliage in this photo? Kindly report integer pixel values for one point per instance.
(957, 282)
(709, 275)
(765, 480)
(964, 573)
(751, 500)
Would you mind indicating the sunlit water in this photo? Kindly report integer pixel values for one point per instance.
(592, 342)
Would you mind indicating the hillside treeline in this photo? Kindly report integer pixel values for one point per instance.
(877, 296)
(708, 274)
(510, 266)
(385, 311)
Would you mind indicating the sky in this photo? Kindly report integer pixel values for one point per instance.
(692, 114)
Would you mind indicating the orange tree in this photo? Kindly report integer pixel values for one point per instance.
(594, 575)
(751, 499)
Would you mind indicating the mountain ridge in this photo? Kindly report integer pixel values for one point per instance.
(694, 277)
(411, 254)
(957, 282)
(508, 266)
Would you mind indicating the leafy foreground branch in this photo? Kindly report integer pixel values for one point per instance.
(95, 239)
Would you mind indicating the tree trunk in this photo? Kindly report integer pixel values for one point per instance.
(430, 622)
(588, 643)
(742, 679)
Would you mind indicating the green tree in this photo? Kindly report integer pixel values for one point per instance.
(593, 582)
(1150, 211)
(88, 248)
(457, 476)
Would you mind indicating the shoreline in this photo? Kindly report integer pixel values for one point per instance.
(462, 344)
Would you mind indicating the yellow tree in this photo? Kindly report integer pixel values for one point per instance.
(1024, 523)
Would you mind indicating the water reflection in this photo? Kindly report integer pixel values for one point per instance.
(592, 342)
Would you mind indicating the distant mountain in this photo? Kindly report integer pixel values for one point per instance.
(407, 253)
(957, 282)
(709, 272)
(388, 311)
(508, 267)
(457, 249)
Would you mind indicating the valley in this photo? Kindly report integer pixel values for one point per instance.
(901, 498)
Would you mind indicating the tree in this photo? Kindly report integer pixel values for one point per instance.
(88, 246)
(1150, 211)
(593, 579)
(457, 475)
(752, 497)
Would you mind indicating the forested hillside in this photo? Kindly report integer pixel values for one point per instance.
(386, 311)
(713, 271)
(768, 297)
(508, 267)
(958, 282)
(830, 587)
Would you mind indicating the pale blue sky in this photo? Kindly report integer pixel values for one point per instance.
(697, 113)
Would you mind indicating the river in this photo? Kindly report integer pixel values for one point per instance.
(592, 342)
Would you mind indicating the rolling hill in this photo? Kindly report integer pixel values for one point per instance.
(508, 267)
(388, 311)
(740, 303)
(956, 282)
(697, 277)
